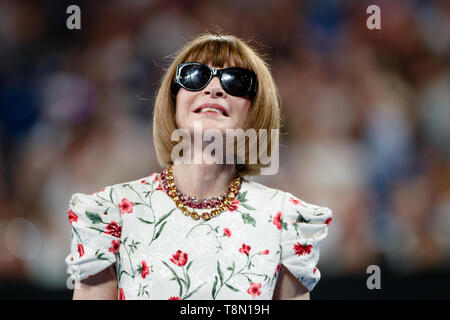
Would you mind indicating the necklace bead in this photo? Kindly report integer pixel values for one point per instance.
(183, 201)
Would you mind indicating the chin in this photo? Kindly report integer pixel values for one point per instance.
(207, 124)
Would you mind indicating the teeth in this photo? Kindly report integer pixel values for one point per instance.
(211, 109)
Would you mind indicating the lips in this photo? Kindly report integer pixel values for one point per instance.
(212, 107)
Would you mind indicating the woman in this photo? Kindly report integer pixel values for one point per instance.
(200, 230)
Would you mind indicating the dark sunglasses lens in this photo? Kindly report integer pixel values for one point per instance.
(236, 82)
(194, 77)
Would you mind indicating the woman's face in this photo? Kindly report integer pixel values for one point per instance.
(194, 106)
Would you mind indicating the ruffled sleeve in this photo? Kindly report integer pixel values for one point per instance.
(96, 230)
(304, 227)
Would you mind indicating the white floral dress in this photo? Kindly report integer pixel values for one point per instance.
(159, 253)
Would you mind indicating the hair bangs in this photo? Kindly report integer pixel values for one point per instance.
(219, 51)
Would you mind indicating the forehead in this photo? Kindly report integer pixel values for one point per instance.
(219, 54)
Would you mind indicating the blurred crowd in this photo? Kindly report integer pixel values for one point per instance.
(366, 118)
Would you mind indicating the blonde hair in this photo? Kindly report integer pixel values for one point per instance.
(218, 49)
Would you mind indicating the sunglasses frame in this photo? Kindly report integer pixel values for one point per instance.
(251, 91)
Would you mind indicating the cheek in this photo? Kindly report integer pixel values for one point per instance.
(243, 109)
(183, 101)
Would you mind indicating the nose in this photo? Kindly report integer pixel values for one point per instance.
(214, 88)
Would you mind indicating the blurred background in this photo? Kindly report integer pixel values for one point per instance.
(367, 126)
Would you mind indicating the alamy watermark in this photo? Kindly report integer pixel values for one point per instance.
(374, 280)
(195, 148)
(74, 20)
(374, 20)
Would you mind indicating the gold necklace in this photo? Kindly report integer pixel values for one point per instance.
(172, 191)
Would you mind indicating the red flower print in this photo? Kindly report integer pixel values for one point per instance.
(144, 270)
(265, 252)
(277, 220)
(114, 229)
(254, 289)
(227, 232)
(315, 269)
(174, 298)
(302, 249)
(277, 268)
(156, 180)
(80, 250)
(121, 294)
(72, 216)
(143, 181)
(234, 205)
(179, 258)
(245, 249)
(295, 201)
(327, 222)
(126, 206)
(115, 246)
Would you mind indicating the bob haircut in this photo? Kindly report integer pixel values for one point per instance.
(218, 49)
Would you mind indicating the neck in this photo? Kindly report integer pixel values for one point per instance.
(203, 180)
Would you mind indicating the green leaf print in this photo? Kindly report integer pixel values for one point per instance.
(176, 277)
(97, 229)
(143, 290)
(241, 197)
(78, 235)
(122, 272)
(300, 218)
(184, 282)
(241, 272)
(160, 230)
(145, 221)
(133, 246)
(188, 281)
(231, 287)
(248, 219)
(219, 271)
(99, 203)
(274, 195)
(94, 217)
(246, 206)
(194, 291)
(110, 195)
(164, 217)
(213, 292)
(99, 256)
(161, 219)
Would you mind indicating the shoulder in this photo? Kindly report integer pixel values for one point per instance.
(114, 191)
(290, 204)
(135, 183)
(263, 191)
(260, 192)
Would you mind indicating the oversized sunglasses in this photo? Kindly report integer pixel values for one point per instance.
(235, 81)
